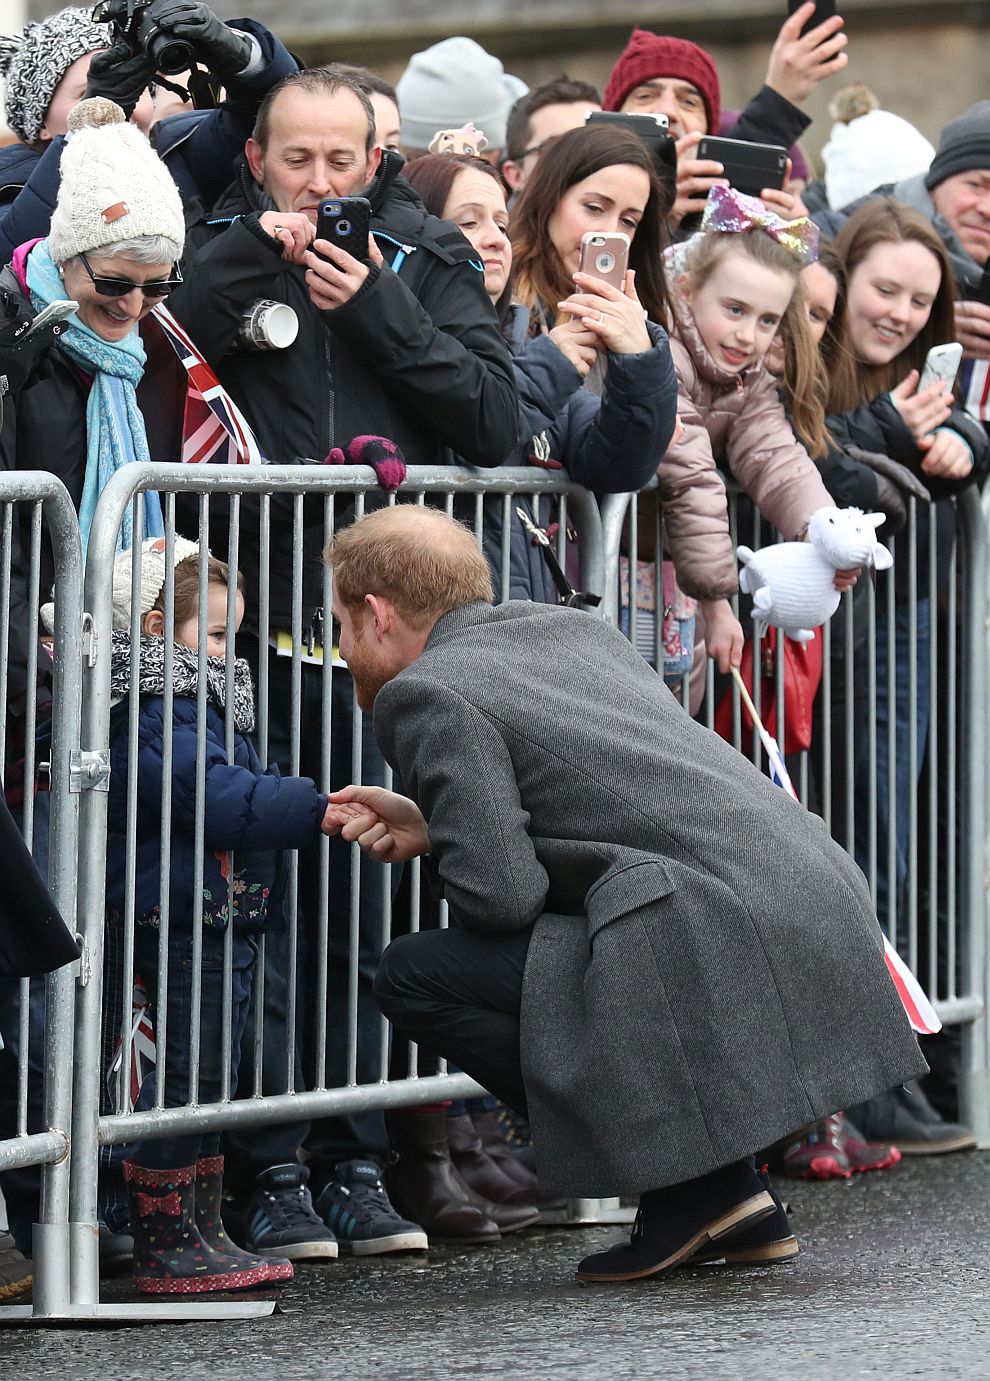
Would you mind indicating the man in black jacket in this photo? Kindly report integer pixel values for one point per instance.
(397, 339)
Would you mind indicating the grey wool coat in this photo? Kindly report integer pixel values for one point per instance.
(705, 972)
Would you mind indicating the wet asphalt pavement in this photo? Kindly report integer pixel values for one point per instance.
(893, 1281)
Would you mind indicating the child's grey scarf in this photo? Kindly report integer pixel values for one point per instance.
(185, 676)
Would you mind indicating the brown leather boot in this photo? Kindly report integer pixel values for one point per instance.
(423, 1185)
(486, 1124)
(478, 1169)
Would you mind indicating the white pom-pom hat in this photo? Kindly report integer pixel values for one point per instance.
(114, 186)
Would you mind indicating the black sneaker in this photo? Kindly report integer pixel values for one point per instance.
(356, 1208)
(904, 1118)
(280, 1221)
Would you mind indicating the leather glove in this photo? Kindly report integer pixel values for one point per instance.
(119, 75)
(224, 51)
(23, 359)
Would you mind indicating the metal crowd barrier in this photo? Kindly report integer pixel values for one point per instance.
(36, 1021)
(904, 793)
(342, 1061)
(290, 508)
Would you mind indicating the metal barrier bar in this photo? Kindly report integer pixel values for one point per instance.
(289, 488)
(50, 1150)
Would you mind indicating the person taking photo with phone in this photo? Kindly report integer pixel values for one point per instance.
(674, 77)
(597, 397)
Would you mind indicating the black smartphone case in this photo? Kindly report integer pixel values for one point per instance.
(748, 167)
(346, 227)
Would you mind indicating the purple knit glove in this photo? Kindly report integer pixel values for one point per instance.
(382, 455)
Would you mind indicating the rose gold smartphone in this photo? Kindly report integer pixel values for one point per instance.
(605, 256)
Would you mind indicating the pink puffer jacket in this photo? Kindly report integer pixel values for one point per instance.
(739, 417)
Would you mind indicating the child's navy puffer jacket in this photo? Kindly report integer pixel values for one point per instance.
(251, 816)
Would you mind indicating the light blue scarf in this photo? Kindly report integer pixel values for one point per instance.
(115, 430)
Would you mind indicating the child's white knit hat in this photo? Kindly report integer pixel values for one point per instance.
(114, 186)
(152, 575)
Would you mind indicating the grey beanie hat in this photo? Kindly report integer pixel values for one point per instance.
(446, 86)
(33, 65)
(963, 144)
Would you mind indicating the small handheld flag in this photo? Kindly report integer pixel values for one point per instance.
(920, 1012)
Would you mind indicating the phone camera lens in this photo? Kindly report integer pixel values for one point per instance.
(343, 228)
(604, 263)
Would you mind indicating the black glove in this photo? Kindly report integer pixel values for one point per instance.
(119, 76)
(224, 51)
(23, 358)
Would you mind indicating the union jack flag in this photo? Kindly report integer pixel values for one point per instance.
(144, 1053)
(976, 390)
(213, 427)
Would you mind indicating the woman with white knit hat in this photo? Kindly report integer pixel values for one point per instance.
(116, 235)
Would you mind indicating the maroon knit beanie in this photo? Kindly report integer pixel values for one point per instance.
(647, 56)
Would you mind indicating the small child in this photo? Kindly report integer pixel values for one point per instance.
(250, 817)
(738, 285)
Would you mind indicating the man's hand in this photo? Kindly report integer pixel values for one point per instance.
(695, 179)
(224, 51)
(787, 205)
(294, 231)
(845, 580)
(973, 329)
(387, 826)
(114, 73)
(333, 276)
(798, 64)
(921, 412)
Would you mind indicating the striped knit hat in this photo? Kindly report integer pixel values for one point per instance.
(33, 65)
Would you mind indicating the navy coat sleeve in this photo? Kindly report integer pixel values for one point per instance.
(878, 426)
(612, 444)
(29, 214)
(244, 809)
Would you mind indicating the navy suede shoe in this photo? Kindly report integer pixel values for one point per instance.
(673, 1224)
(758, 1244)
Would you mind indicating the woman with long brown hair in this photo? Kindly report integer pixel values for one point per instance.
(899, 305)
(594, 376)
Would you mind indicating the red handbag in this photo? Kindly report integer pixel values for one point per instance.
(802, 671)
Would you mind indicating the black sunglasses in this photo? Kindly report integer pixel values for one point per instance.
(119, 287)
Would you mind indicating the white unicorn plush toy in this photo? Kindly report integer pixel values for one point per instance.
(793, 583)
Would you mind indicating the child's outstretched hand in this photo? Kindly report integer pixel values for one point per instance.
(724, 636)
(387, 826)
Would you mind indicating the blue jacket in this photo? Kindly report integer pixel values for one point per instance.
(610, 444)
(250, 817)
(198, 146)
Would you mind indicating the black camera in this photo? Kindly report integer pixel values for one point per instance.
(134, 22)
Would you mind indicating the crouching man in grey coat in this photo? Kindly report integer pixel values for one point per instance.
(655, 953)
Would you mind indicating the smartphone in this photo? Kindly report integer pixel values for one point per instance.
(942, 363)
(748, 167)
(345, 222)
(606, 256)
(652, 129)
(50, 320)
(824, 9)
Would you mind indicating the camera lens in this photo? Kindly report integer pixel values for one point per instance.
(343, 228)
(605, 262)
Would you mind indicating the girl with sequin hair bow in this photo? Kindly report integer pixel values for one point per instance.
(735, 289)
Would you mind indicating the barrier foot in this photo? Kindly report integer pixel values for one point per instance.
(113, 1315)
(577, 1213)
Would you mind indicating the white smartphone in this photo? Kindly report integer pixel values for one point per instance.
(941, 365)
